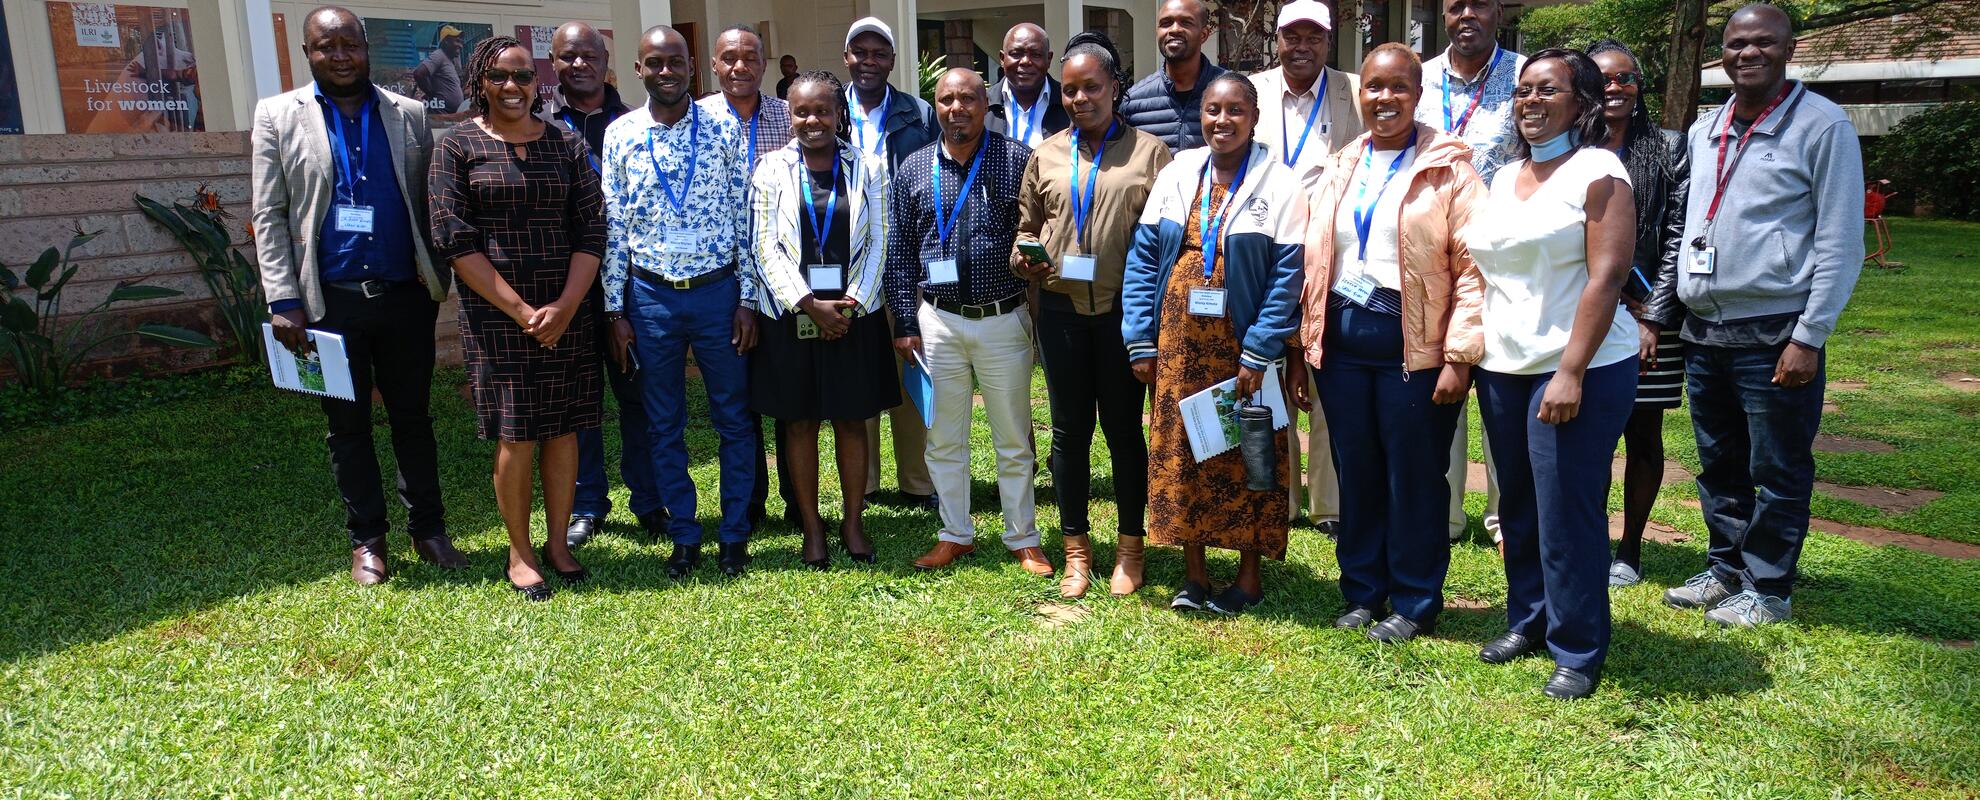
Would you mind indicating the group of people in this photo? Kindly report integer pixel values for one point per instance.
(1378, 244)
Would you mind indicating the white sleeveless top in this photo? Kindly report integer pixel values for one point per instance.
(1533, 254)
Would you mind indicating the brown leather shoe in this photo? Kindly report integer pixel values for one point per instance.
(1127, 566)
(944, 554)
(368, 563)
(1079, 566)
(1034, 561)
(439, 551)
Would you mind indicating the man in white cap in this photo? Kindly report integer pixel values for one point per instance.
(1306, 111)
(893, 125)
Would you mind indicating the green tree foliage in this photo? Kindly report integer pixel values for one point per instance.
(1934, 155)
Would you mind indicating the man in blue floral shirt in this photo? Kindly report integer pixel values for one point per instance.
(675, 183)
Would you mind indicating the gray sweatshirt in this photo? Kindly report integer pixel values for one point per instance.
(1789, 231)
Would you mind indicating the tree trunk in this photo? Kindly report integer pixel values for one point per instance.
(1686, 54)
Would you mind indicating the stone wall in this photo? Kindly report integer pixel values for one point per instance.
(50, 184)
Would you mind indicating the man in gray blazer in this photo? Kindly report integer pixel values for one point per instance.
(340, 231)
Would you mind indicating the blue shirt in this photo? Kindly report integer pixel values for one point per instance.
(386, 253)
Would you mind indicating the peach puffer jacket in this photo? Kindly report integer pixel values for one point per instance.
(1443, 293)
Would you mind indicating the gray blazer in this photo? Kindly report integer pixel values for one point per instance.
(294, 180)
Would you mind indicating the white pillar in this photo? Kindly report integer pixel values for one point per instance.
(264, 54)
(903, 17)
(1063, 18)
(630, 19)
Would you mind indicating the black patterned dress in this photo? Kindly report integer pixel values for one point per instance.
(528, 208)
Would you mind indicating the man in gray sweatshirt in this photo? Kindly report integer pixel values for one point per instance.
(1773, 242)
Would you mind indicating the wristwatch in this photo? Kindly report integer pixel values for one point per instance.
(614, 316)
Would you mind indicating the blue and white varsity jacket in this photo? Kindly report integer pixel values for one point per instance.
(1262, 251)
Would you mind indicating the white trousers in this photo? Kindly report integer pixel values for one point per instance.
(994, 355)
(1456, 476)
(1323, 486)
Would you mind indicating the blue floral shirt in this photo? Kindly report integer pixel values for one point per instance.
(710, 227)
(1489, 130)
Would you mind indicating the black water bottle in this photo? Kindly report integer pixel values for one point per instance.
(1255, 442)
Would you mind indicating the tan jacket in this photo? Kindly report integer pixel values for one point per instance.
(295, 177)
(1343, 115)
(1443, 293)
(1127, 177)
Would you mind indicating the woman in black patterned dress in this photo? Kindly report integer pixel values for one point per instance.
(517, 211)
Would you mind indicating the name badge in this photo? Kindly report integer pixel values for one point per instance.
(826, 277)
(1206, 302)
(1703, 259)
(1076, 268)
(681, 242)
(1357, 288)
(941, 272)
(805, 327)
(354, 219)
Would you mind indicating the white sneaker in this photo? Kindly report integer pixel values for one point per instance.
(1750, 608)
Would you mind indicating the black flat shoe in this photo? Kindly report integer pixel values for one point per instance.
(573, 578)
(653, 527)
(1506, 648)
(1571, 684)
(536, 592)
(1398, 629)
(685, 558)
(1357, 617)
(1193, 597)
(732, 558)
(1232, 601)
(582, 528)
(865, 557)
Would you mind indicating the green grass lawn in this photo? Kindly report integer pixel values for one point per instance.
(178, 622)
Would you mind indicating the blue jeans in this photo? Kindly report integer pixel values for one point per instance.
(1553, 505)
(636, 446)
(667, 324)
(1755, 442)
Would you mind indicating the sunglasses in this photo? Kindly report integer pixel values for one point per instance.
(1623, 78)
(499, 76)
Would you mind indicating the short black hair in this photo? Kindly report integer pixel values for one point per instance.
(838, 88)
(1585, 79)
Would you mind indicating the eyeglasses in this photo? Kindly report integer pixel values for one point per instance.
(1622, 79)
(1545, 92)
(499, 76)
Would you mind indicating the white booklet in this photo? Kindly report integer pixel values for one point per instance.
(325, 371)
(1210, 416)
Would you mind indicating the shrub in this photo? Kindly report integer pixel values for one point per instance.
(1934, 156)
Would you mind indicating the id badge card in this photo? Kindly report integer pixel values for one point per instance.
(942, 272)
(681, 242)
(1703, 259)
(1076, 268)
(1206, 302)
(806, 329)
(825, 278)
(1357, 288)
(354, 219)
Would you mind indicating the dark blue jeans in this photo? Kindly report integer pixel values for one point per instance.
(1391, 446)
(667, 324)
(1553, 505)
(1755, 442)
(636, 447)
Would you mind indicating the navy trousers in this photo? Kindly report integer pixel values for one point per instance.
(1553, 506)
(1390, 449)
(1755, 447)
(667, 324)
(636, 447)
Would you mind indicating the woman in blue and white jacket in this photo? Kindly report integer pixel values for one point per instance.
(1212, 291)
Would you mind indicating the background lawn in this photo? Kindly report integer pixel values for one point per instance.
(177, 621)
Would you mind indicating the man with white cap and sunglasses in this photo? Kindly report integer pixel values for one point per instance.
(1306, 111)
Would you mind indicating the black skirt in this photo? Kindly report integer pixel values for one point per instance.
(848, 378)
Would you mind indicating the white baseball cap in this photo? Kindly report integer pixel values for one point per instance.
(870, 25)
(1312, 11)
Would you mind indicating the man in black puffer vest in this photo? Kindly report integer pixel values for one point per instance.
(1166, 104)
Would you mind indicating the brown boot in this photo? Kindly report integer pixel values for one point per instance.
(368, 563)
(944, 554)
(1079, 566)
(1127, 566)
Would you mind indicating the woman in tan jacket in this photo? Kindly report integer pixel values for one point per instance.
(1391, 330)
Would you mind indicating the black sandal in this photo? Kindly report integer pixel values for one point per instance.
(573, 578)
(863, 558)
(536, 592)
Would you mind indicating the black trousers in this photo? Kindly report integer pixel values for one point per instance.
(389, 339)
(1087, 372)
(760, 493)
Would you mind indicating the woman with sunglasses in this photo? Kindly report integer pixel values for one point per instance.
(1553, 242)
(517, 211)
(1659, 166)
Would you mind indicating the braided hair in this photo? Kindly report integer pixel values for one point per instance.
(831, 81)
(1097, 45)
(1639, 117)
(484, 57)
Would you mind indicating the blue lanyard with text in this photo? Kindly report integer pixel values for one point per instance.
(859, 127)
(1364, 211)
(572, 120)
(352, 174)
(1082, 205)
(1319, 99)
(1023, 132)
(678, 201)
(1477, 94)
(944, 227)
(751, 163)
(1210, 227)
(823, 229)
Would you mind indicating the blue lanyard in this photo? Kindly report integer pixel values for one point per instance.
(943, 227)
(1364, 212)
(1023, 132)
(1210, 227)
(677, 200)
(1082, 205)
(571, 119)
(751, 163)
(822, 228)
(1319, 99)
(1476, 95)
(859, 121)
(351, 174)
